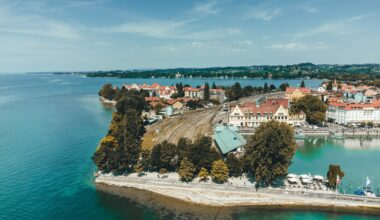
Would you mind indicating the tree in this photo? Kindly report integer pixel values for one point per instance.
(312, 106)
(180, 91)
(332, 174)
(106, 156)
(302, 84)
(201, 154)
(283, 86)
(206, 92)
(192, 104)
(174, 96)
(183, 148)
(272, 87)
(108, 92)
(248, 90)
(266, 88)
(214, 85)
(329, 86)
(164, 155)
(235, 92)
(269, 152)
(219, 171)
(203, 175)
(234, 165)
(144, 160)
(186, 170)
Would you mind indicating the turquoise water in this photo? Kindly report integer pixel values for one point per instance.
(50, 126)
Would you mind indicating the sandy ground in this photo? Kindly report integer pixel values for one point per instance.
(240, 194)
(191, 124)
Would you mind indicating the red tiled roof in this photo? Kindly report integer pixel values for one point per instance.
(191, 89)
(269, 106)
(353, 106)
(303, 90)
(151, 99)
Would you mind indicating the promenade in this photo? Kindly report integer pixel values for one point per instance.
(238, 194)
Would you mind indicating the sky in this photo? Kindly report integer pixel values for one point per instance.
(87, 35)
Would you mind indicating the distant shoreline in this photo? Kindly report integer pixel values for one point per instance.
(216, 197)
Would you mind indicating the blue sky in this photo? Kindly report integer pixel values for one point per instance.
(54, 35)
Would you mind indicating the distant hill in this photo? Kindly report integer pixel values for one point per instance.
(302, 70)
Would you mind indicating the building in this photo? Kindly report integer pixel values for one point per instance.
(218, 95)
(176, 103)
(194, 93)
(252, 114)
(228, 139)
(292, 93)
(164, 92)
(353, 113)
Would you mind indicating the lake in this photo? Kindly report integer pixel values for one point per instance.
(50, 126)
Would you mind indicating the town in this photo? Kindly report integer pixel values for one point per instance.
(193, 133)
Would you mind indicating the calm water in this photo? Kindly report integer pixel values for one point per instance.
(50, 126)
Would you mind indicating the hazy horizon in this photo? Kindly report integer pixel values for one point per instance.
(92, 35)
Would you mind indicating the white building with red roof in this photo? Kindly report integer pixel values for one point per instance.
(352, 113)
(252, 114)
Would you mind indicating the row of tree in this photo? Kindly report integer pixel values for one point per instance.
(119, 151)
(236, 92)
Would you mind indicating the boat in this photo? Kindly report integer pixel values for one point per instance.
(366, 191)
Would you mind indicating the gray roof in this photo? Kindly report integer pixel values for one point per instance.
(227, 138)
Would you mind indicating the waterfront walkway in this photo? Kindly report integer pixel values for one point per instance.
(213, 194)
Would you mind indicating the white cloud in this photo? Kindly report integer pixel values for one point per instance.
(243, 42)
(30, 24)
(262, 13)
(208, 7)
(170, 29)
(311, 9)
(341, 27)
(298, 46)
(197, 44)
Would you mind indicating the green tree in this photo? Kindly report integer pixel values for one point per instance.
(203, 175)
(105, 157)
(201, 154)
(266, 88)
(312, 106)
(272, 87)
(164, 155)
(108, 92)
(302, 84)
(234, 165)
(219, 171)
(269, 152)
(186, 170)
(332, 174)
(192, 104)
(235, 92)
(248, 90)
(329, 86)
(126, 129)
(214, 85)
(183, 148)
(180, 91)
(206, 92)
(283, 86)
